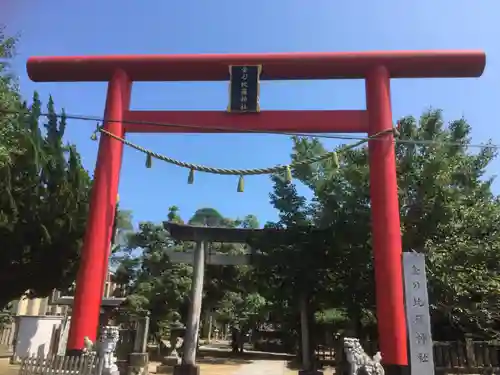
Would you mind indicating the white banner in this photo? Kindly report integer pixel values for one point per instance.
(417, 314)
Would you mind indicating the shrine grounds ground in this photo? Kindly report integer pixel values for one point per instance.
(226, 367)
(6, 368)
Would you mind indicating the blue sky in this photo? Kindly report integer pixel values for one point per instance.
(92, 27)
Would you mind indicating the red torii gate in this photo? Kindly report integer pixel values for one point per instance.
(376, 68)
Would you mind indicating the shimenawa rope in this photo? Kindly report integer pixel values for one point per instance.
(286, 169)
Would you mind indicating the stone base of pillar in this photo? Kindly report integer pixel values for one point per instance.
(171, 361)
(185, 369)
(138, 364)
(164, 369)
(396, 370)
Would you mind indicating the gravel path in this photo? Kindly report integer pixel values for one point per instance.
(263, 367)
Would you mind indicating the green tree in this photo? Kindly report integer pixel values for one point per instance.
(43, 206)
(10, 103)
(447, 211)
(208, 217)
(122, 230)
(248, 222)
(245, 309)
(158, 286)
(153, 283)
(293, 264)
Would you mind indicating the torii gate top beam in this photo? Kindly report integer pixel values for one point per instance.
(276, 66)
(184, 232)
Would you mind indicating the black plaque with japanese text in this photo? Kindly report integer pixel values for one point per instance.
(244, 88)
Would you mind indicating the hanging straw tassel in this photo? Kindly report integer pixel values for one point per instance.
(396, 131)
(288, 174)
(93, 137)
(241, 184)
(191, 177)
(335, 160)
(149, 161)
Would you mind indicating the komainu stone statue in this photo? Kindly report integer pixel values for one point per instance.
(88, 345)
(361, 363)
(108, 339)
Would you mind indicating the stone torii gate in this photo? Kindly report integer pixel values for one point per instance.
(203, 236)
(376, 68)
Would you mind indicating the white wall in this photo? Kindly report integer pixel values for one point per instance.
(35, 335)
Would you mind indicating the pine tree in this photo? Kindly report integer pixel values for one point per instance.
(43, 204)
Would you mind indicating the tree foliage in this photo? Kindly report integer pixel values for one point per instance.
(43, 193)
(448, 211)
(10, 102)
(44, 205)
(162, 288)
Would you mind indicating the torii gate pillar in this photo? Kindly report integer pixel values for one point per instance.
(377, 68)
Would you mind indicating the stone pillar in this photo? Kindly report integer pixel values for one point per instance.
(188, 366)
(308, 367)
(138, 360)
(33, 306)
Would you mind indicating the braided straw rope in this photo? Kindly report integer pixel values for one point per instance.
(241, 172)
